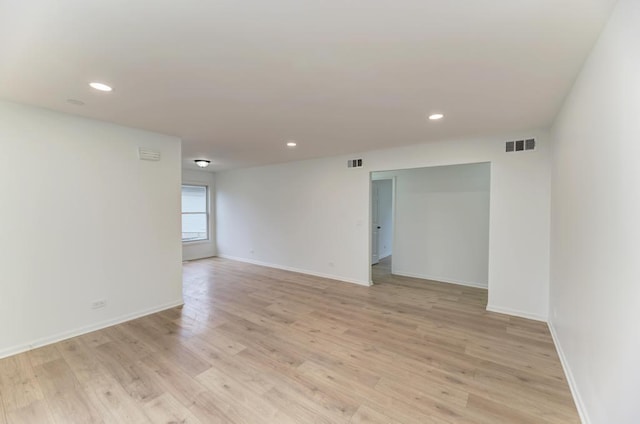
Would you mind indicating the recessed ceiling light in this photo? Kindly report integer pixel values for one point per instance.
(202, 163)
(75, 102)
(100, 86)
(291, 144)
(436, 116)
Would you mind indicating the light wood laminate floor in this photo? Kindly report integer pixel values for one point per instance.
(258, 345)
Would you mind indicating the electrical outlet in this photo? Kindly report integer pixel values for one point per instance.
(99, 304)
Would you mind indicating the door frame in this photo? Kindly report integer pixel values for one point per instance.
(393, 218)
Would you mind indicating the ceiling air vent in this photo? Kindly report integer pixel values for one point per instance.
(520, 145)
(147, 154)
(354, 163)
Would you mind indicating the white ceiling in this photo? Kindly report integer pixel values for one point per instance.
(237, 79)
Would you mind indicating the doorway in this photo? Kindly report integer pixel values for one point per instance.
(438, 225)
(382, 224)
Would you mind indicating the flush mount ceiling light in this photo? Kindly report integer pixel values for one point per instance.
(100, 86)
(291, 144)
(202, 163)
(436, 116)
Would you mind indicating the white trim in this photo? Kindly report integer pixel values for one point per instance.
(440, 279)
(197, 242)
(86, 329)
(298, 270)
(394, 201)
(580, 405)
(199, 258)
(516, 313)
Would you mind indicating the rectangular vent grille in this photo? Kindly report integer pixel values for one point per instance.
(354, 163)
(520, 145)
(530, 144)
(146, 154)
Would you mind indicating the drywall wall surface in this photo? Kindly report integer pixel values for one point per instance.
(442, 223)
(595, 278)
(83, 220)
(204, 248)
(313, 216)
(306, 216)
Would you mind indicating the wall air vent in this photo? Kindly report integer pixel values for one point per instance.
(354, 163)
(147, 154)
(520, 145)
(530, 144)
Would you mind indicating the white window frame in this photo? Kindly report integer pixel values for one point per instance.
(206, 187)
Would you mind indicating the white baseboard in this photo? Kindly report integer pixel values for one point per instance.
(514, 312)
(86, 329)
(439, 279)
(184, 260)
(298, 270)
(580, 406)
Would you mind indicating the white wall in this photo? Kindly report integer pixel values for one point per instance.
(385, 217)
(595, 278)
(442, 223)
(204, 248)
(314, 215)
(309, 216)
(82, 219)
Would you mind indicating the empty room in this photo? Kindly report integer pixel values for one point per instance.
(391, 212)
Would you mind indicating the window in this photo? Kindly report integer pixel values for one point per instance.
(195, 213)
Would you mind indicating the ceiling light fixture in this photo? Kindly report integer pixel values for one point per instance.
(202, 163)
(100, 86)
(436, 116)
(291, 144)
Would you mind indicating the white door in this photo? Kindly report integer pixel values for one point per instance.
(375, 227)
